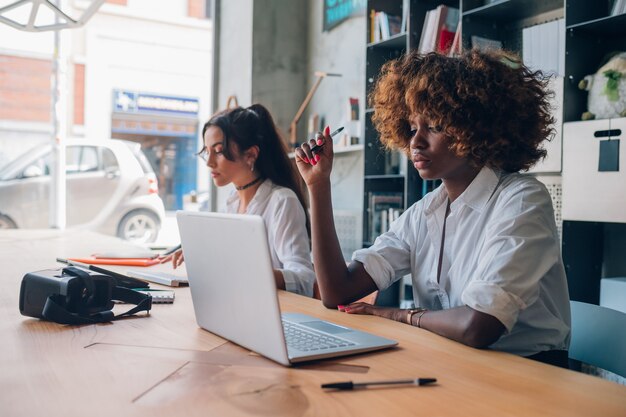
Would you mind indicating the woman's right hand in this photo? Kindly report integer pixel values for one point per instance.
(177, 258)
(315, 167)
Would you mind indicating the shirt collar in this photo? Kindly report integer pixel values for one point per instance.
(264, 190)
(480, 190)
(476, 195)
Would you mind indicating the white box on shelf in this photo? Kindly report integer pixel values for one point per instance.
(590, 194)
(613, 293)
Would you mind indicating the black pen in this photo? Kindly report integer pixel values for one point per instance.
(121, 279)
(171, 250)
(316, 148)
(355, 385)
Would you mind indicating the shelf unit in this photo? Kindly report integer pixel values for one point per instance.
(593, 201)
(385, 171)
(590, 33)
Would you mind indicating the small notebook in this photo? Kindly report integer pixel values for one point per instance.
(157, 277)
(159, 296)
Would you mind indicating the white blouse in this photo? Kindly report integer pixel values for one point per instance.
(501, 256)
(288, 240)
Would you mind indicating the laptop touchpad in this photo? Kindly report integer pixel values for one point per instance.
(324, 326)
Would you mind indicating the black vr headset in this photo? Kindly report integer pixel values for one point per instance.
(75, 296)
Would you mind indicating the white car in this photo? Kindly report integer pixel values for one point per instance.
(111, 188)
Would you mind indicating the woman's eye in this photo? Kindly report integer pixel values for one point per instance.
(412, 132)
(435, 129)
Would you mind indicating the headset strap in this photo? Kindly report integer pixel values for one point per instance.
(53, 311)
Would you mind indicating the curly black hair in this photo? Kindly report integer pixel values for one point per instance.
(495, 109)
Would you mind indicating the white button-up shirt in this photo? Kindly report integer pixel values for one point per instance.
(501, 256)
(288, 240)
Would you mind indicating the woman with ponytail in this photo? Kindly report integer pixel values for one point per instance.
(242, 146)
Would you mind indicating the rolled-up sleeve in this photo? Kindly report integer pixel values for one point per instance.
(290, 241)
(389, 258)
(519, 250)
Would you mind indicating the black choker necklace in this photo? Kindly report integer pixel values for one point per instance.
(250, 184)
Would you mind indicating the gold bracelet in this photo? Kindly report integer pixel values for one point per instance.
(419, 318)
(410, 313)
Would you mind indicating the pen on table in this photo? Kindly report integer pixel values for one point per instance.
(355, 385)
(316, 148)
(171, 250)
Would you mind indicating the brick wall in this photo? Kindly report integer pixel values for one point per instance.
(195, 8)
(25, 89)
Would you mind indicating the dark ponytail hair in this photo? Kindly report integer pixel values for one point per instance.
(252, 126)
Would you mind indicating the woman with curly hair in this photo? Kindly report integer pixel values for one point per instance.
(482, 249)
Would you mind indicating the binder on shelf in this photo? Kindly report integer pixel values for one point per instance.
(619, 7)
(440, 27)
(405, 15)
(373, 25)
(485, 43)
(457, 45)
(543, 47)
(383, 26)
(384, 208)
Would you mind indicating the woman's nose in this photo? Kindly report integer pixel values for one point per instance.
(417, 141)
(210, 160)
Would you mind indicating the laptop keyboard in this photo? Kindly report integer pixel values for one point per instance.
(307, 340)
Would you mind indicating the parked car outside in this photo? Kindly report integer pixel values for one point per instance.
(111, 188)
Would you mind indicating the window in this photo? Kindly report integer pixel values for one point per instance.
(109, 161)
(81, 159)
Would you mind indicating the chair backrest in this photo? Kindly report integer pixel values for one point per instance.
(598, 337)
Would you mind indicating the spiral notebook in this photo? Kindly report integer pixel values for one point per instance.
(159, 296)
(158, 277)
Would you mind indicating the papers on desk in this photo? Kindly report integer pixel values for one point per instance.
(163, 278)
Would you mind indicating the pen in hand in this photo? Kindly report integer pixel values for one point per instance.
(317, 148)
(348, 385)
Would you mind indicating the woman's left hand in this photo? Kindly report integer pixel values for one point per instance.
(365, 308)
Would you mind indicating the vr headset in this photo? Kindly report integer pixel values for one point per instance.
(75, 296)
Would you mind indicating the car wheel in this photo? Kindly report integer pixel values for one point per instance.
(139, 226)
(6, 222)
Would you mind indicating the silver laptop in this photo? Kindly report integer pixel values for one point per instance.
(234, 294)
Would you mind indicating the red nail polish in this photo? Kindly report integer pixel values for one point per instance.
(320, 142)
(341, 307)
(317, 158)
(305, 159)
(327, 131)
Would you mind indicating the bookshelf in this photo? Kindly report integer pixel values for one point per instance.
(388, 175)
(592, 198)
(587, 31)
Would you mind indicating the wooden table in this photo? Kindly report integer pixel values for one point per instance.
(164, 365)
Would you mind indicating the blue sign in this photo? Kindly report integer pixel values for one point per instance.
(337, 11)
(143, 103)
